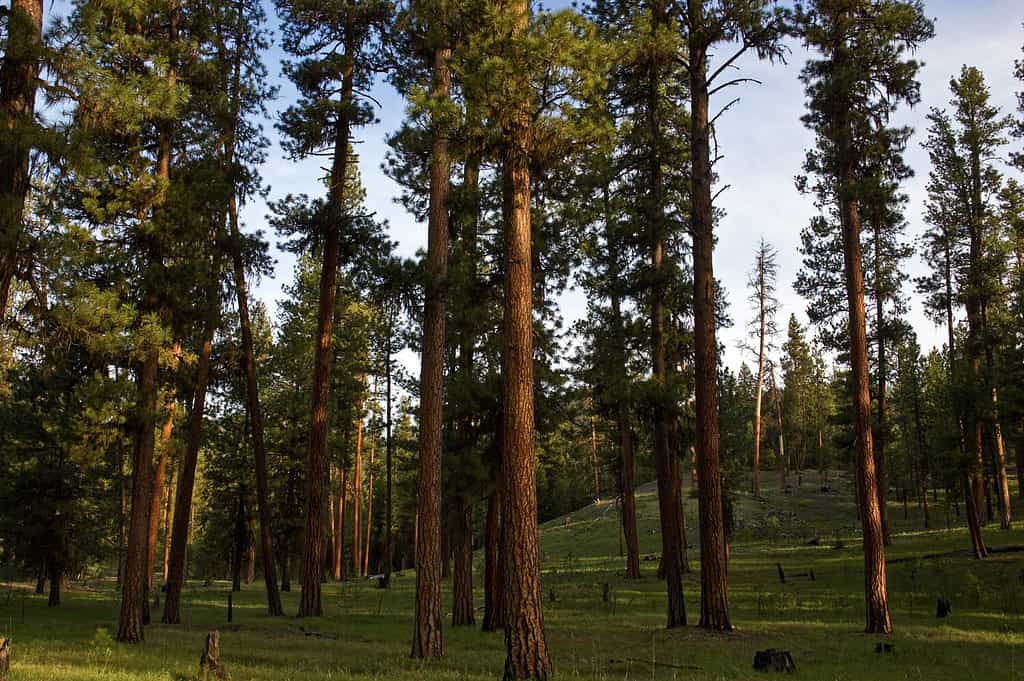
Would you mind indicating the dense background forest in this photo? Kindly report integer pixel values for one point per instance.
(295, 295)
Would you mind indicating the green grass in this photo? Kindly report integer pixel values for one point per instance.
(366, 633)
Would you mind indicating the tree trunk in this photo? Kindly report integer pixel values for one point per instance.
(133, 587)
(494, 617)
(668, 503)
(389, 545)
(316, 469)
(19, 72)
(714, 610)
(357, 496)
(339, 544)
(593, 458)
(527, 653)
(187, 477)
(255, 412)
(55, 572)
(628, 486)
(878, 620)
(157, 492)
(427, 640)
(881, 464)
(168, 497)
(462, 580)
(759, 392)
(369, 509)
(240, 542)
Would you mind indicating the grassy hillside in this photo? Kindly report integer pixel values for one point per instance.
(366, 632)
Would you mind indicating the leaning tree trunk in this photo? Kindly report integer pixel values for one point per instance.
(252, 400)
(187, 476)
(714, 604)
(427, 640)
(313, 546)
(19, 72)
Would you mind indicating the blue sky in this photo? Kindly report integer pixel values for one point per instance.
(762, 140)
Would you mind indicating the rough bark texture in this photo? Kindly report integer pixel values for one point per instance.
(427, 640)
(133, 587)
(878, 619)
(316, 471)
(714, 605)
(527, 653)
(187, 480)
(19, 72)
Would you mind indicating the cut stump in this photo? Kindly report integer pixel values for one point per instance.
(210, 665)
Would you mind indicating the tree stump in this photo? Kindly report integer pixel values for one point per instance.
(774, 660)
(5, 657)
(210, 665)
(943, 608)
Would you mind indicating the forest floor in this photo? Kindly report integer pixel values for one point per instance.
(366, 632)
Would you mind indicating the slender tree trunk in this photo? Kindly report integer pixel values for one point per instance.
(187, 477)
(238, 552)
(493, 591)
(357, 496)
(19, 73)
(881, 464)
(157, 491)
(339, 545)
(168, 497)
(671, 551)
(783, 462)
(369, 509)
(312, 550)
(593, 458)
(55, 572)
(462, 580)
(389, 545)
(714, 610)
(255, 412)
(759, 392)
(427, 640)
(527, 653)
(133, 587)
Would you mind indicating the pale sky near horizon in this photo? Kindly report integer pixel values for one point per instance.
(761, 138)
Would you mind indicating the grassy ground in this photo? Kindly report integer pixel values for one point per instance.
(366, 633)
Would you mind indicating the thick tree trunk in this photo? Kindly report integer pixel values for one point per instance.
(133, 587)
(714, 609)
(878, 620)
(527, 653)
(427, 640)
(462, 579)
(316, 469)
(187, 477)
(19, 72)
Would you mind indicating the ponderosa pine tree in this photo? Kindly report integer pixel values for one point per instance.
(758, 27)
(337, 47)
(861, 78)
